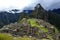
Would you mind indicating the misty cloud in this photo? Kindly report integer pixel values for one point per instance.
(27, 4)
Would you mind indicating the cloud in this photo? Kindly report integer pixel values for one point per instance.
(12, 4)
(27, 4)
(55, 6)
(47, 4)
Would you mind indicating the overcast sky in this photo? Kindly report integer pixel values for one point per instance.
(28, 4)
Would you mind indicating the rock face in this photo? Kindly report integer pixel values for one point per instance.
(32, 28)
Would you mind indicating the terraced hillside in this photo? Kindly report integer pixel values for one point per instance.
(29, 29)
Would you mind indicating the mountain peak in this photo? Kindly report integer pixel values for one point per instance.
(38, 6)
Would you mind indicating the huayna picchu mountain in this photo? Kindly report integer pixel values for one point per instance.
(38, 25)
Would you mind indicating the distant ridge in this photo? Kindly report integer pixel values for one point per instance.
(56, 11)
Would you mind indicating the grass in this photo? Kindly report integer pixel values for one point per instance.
(43, 28)
(45, 39)
(9, 37)
(34, 24)
(56, 30)
(5, 37)
(50, 37)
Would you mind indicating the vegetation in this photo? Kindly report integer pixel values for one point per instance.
(10, 37)
(34, 23)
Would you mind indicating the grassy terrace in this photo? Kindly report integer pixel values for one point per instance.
(33, 23)
(9, 37)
